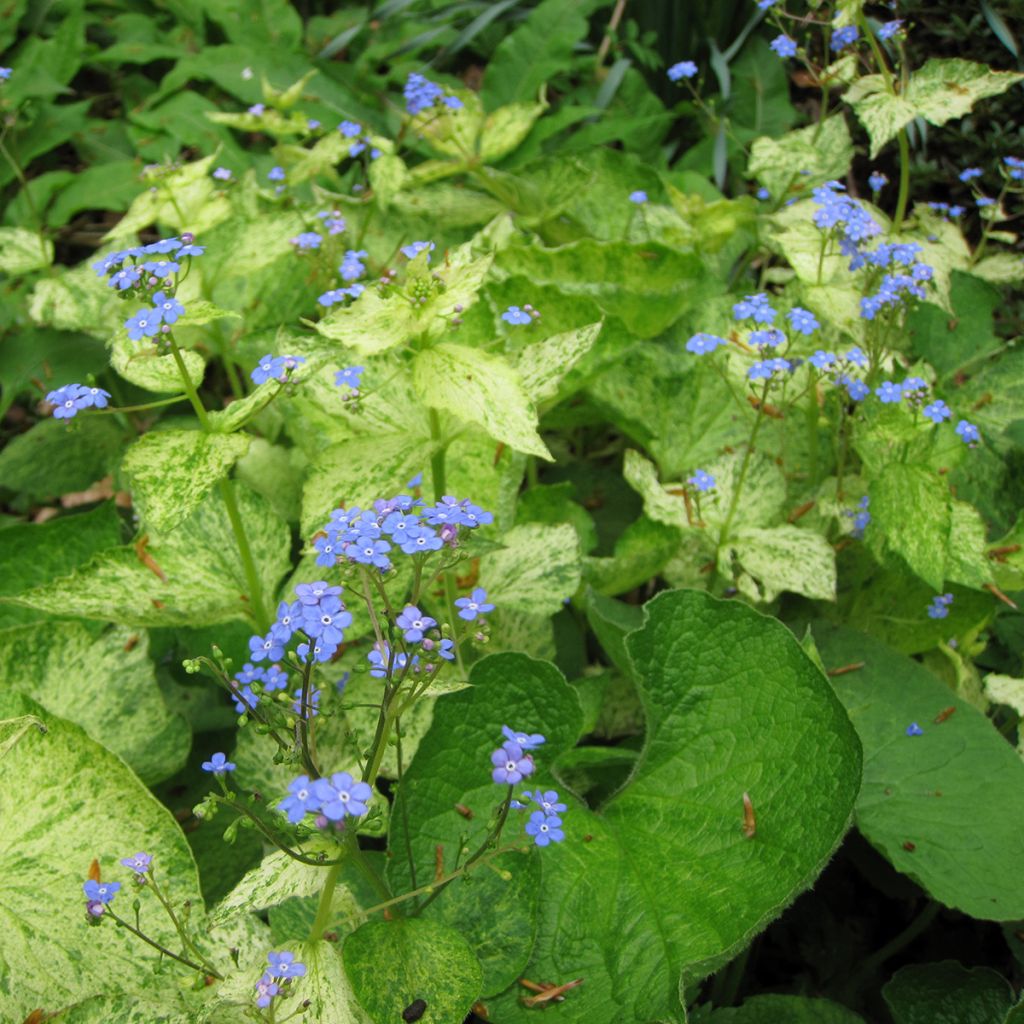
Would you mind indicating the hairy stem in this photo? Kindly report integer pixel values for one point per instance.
(202, 969)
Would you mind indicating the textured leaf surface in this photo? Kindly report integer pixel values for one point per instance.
(104, 682)
(481, 388)
(805, 157)
(921, 789)
(452, 766)
(22, 251)
(140, 364)
(428, 961)
(49, 956)
(193, 576)
(535, 571)
(948, 993)
(171, 471)
(764, 563)
(543, 365)
(776, 1009)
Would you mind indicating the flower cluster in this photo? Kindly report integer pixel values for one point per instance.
(277, 368)
(319, 614)
(517, 317)
(69, 400)
(98, 895)
(861, 517)
(331, 800)
(512, 762)
(422, 94)
(282, 970)
(360, 139)
(939, 608)
(684, 69)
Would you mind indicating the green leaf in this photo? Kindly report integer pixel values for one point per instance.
(543, 365)
(388, 174)
(103, 812)
(76, 301)
(910, 517)
(481, 388)
(764, 563)
(259, 23)
(23, 251)
(948, 993)
(803, 158)
(505, 128)
(103, 680)
(940, 91)
(648, 286)
(452, 765)
(332, 1000)
(172, 471)
(706, 670)
(994, 395)
(535, 571)
(193, 576)
(640, 553)
(778, 1009)
(142, 365)
(1000, 268)
(429, 961)
(919, 790)
(56, 457)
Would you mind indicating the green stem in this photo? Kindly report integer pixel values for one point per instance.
(304, 721)
(301, 858)
(190, 390)
(904, 192)
(186, 942)
(404, 804)
(201, 969)
(252, 577)
(912, 931)
(139, 408)
(744, 466)
(323, 910)
(437, 469)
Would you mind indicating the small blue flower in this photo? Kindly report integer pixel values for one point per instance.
(326, 621)
(515, 315)
(284, 965)
(474, 605)
(5, 73)
(803, 320)
(124, 278)
(413, 249)
(161, 268)
(770, 337)
(856, 389)
(420, 94)
(939, 608)
(143, 325)
(167, 308)
(914, 729)
(269, 368)
(526, 740)
(222, 174)
(877, 181)
(352, 266)
(822, 360)
(342, 796)
(257, 109)
(684, 69)
(100, 893)
(276, 174)
(763, 5)
(266, 647)
(784, 46)
(545, 828)
(639, 197)
(445, 649)
(889, 392)
(702, 343)
(969, 174)
(763, 194)
(414, 623)
(968, 433)
(702, 480)
(301, 799)
(350, 129)
(306, 240)
(856, 356)
(139, 863)
(890, 28)
(244, 699)
(549, 802)
(266, 989)
(844, 37)
(756, 308)
(982, 201)
(1016, 167)
(275, 678)
(218, 764)
(511, 765)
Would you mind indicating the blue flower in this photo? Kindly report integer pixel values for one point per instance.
(855, 388)
(770, 337)
(244, 699)
(342, 796)
(763, 5)
(1016, 167)
(414, 623)
(422, 539)
(702, 480)
(784, 46)
(526, 740)
(639, 197)
(315, 592)
(889, 392)
(370, 552)
(764, 369)
(844, 37)
(167, 308)
(100, 892)
(413, 249)
(143, 325)
(275, 678)
(982, 201)
(266, 647)
(822, 360)
(756, 308)
(161, 268)
(702, 343)
(877, 181)
(222, 174)
(301, 798)
(352, 266)
(164, 245)
(70, 399)
(269, 368)
(763, 194)
(549, 802)
(327, 620)
(515, 315)
(288, 620)
(333, 221)
(420, 93)
(861, 517)
(803, 320)
(276, 174)
(511, 765)
(191, 250)
(969, 174)
(545, 828)
(266, 989)
(218, 764)
(445, 649)
(914, 729)
(124, 278)
(139, 863)
(856, 356)
(968, 433)
(5, 73)
(307, 240)
(256, 109)
(321, 651)
(890, 28)
(284, 965)
(350, 129)
(684, 69)
(939, 608)
(474, 605)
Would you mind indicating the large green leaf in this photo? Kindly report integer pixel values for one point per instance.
(940, 91)
(144, 366)
(544, 365)
(535, 571)
(103, 680)
(192, 576)
(22, 251)
(948, 993)
(482, 388)
(918, 791)
(171, 471)
(802, 158)
(429, 961)
(647, 286)
(778, 1009)
(65, 800)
